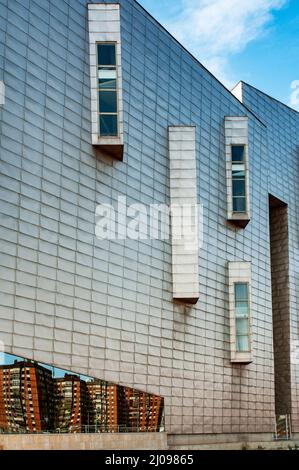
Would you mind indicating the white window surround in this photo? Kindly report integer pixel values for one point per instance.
(239, 272)
(236, 133)
(104, 27)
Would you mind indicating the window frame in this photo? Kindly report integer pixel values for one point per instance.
(99, 90)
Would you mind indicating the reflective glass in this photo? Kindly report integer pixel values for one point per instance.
(108, 125)
(238, 187)
(239, 204)
(242, 344)
(38, 398)
(241, 309)
(242, 326)
(238, 171)
(107, 101)
(107, 78)
(106, 54)
(238, 153)
(241, 291)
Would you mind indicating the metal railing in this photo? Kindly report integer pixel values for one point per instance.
(90, 429)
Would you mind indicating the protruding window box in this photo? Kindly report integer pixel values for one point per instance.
(184, 214)
(240, 312)
(237, 170)
(106, 81)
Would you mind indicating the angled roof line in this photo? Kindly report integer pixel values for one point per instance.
(196, 60)
(268, 96)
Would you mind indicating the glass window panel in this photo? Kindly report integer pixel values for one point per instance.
(238, 166)
(241, 291)
(107, 83)
(106, 54)
(239, 204)
(107, 101)
(242, 344)
(107, 78)
(65, 395)
(242, 326)
(108, 125)
(239, 175)
(238, 153)
(242, 309)
(238, 187)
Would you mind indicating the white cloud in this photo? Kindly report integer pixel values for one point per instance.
(294, 98)
(219, 66)
(213, 30)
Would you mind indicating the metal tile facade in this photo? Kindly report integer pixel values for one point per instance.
(105, 308)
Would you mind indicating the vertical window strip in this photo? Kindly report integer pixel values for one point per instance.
(107, 89)
(242, 315)
(238, 178)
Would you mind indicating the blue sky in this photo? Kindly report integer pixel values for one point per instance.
(256, 41)
(6, 359)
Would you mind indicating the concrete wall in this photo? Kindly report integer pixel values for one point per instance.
(138, 441)
(216, 439)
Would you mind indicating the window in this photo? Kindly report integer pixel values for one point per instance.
(238, 178)
(241, 341)
(107, 90)
(237, 170)
(106, 102)
(242, 316)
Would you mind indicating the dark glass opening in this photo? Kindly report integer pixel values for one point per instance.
(107, 101)
(239, 204)
(238, 153)
(106, 54)
(108, 125)
(238, 188)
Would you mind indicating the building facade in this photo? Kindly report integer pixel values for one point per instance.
(71, 404)
(103, 107)
(103, 413)
(26, 398)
